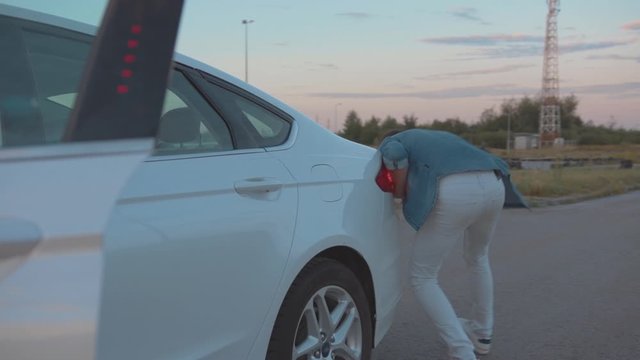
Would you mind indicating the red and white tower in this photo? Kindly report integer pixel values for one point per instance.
(550, 104)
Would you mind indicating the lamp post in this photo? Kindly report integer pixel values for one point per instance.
(335, 118)
(509, 132)
(246, 23)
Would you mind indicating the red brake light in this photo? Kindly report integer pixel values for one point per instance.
(384, 179)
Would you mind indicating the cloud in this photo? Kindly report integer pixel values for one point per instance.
(596, 45)
(509, 51)
(634, 25)
(328, 66)
(356, 15)
(281, 44)
(524, 50)
(484, 40)
(468, 13)
(321, 66)
(495, 90)
(608, 89)
(613, 57)
(466, 92)
(495, 70)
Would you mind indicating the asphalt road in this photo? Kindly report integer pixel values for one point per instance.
(567, 282)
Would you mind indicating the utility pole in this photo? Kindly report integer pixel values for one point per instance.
(509, 132)
(335, 115)
(246, 49)
(550, 103)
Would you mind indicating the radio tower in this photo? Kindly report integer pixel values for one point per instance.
(550, 104)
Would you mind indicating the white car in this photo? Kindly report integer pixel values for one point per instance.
(251, 232)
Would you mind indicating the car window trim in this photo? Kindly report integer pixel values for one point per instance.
(240, 130)
(188, 73)
(258, 101)
(204, 154)
(248, 96)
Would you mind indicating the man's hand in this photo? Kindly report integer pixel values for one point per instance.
(399, 181)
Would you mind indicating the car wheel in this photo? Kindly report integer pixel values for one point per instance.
(325, 315)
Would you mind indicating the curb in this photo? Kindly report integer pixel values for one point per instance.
(539, 202)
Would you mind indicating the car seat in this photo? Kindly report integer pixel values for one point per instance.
(178, 126)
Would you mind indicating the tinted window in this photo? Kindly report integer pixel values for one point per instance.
(41, 67)
(57, 63)
(188, 124)
(256, 125)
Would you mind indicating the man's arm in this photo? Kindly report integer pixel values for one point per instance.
(399, 181)
(396, 159)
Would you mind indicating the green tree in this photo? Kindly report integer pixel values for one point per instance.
(410, 121)
(352, 128)
(370, 131)
(389, 123)
(488, 121)
(454, 125)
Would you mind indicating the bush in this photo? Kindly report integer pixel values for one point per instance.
(490, 139)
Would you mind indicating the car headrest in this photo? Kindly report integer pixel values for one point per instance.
(179, 126)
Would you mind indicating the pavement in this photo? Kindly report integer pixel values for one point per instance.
(567, 286)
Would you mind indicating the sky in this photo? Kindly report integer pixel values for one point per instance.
(433, 59)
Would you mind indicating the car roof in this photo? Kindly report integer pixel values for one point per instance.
(53, 20)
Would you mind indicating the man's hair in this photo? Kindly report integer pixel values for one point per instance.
(391, 133)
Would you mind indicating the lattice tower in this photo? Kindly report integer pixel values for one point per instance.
(550, 104)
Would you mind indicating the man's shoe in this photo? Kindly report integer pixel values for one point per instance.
(480, 346)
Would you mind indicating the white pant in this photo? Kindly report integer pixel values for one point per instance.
(468, 205)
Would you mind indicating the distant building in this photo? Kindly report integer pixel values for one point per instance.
(523, 141)
(558, 142)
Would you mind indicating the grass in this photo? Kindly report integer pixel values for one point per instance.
(623, 151)
(576, 182)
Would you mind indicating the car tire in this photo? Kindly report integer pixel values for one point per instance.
(325, 315)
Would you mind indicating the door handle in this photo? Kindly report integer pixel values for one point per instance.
(257, 186)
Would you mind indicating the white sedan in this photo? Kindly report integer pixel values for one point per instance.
(251, 232)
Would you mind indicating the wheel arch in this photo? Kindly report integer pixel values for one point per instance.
(357, 264)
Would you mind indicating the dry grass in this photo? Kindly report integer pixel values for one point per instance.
(628, 151)
(560, 182)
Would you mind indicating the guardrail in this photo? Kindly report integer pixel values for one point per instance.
(550, 163)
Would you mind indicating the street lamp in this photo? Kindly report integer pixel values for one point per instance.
(335, 119)
(246, 23)
(509, 132)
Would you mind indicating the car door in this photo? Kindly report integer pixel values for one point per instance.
(57, 192)
(199, 239)
(52, 220)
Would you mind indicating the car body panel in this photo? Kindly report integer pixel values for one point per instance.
(49, 294)
(349, 221)
(194, 240)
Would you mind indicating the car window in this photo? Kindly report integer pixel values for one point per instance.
(57, 63)
(41, 69)
(36, 63)
(257, 126)
(188, 124)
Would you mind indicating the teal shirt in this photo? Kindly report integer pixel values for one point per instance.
(431, 155)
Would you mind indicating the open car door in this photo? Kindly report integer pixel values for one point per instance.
(56, 199)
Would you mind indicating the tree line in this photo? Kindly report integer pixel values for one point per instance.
(522, 115)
